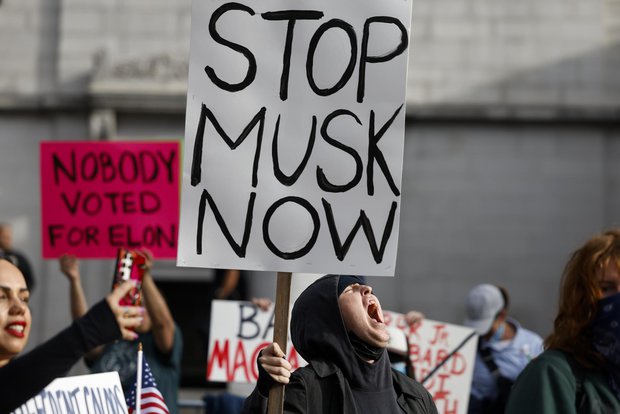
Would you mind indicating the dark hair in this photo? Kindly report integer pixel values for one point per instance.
(505, 296)
(8, 257)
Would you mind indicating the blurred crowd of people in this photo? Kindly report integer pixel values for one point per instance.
(355, 365)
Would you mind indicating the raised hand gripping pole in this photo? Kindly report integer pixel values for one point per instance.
(280, 336)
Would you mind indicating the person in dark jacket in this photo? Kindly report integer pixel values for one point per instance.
(337, 326)
(579, 372)
(23, 376)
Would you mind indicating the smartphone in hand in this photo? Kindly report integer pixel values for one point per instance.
(129, 266)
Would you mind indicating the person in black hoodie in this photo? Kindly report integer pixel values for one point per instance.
(337, 326)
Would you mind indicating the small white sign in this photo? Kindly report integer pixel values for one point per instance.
(238, 332)
(96, 393)
(294, 135)
(430, 342)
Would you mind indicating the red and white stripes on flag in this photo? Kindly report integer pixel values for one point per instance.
(151, 400)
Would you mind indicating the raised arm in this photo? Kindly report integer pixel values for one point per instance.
(27, 375)
(157, 308)
(228, 285)
(414, 317)
(70, 267)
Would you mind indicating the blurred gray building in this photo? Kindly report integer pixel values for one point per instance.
(511, 150)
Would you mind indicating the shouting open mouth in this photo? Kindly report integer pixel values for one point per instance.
(373, 312)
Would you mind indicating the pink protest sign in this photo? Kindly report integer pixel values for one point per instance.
(99, 196)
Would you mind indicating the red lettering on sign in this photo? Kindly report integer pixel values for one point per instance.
(293, 358)
(239, 365)
(240, 362)
(254, 367)
(219, 356)
(441, 393)
(451, 409)
(441, 355)
(441, 335)
(459, 364)
(414, 353)
(428, 358)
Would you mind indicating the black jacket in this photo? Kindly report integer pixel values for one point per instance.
(25, 376)
(320, 388)
(337, 379)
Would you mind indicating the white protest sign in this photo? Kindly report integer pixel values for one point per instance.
(238, 331)
(430, 342)
(96, 393)
(294, 135)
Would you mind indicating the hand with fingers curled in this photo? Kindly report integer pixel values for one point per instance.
(69, 266)
(273, 360)
(262, 303)
(414, 317)
(127, 317)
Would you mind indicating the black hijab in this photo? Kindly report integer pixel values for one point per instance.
(318, 333)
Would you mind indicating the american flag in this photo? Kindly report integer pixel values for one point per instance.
(151, 400)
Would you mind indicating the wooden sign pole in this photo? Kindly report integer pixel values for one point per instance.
(280, 336)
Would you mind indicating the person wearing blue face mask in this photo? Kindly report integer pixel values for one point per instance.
(504, 348)
(579, 372)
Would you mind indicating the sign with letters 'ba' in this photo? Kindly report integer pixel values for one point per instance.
(430, 342)
(99, 196)
(96, 393)
(294, 135)
(238, 331)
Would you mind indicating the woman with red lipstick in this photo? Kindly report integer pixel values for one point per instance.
(14, 313)
(26, 375)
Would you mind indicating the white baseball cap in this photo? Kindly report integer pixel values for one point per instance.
(483, 304)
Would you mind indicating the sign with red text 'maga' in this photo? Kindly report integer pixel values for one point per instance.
(294, 135)
(238, 331)
(430, 342)
(99, 196)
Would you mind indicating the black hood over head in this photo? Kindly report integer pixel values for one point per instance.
(318, 333)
